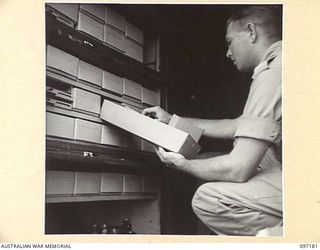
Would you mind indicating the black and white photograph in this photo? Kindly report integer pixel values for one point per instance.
(163, 119)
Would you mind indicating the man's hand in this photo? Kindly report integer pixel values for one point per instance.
(158, 113)
(169, 157)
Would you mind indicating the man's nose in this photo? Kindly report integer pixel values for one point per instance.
(229, 54)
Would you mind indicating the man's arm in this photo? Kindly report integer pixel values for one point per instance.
(224, 129)
(237, 166)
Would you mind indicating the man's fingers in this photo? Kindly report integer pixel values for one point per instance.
(152, 110)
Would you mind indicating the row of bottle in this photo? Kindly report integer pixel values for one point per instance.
(124, 228)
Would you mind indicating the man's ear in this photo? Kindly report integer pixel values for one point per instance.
(252, 29)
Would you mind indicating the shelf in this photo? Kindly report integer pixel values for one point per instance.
(64, 154)
(95, 52)
(57, 76)
(106, 197)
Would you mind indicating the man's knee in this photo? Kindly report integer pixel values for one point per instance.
(204, 198)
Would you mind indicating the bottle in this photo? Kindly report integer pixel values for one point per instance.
(125, 226)
(104, 229)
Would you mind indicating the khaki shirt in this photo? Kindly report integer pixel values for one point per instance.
(262, 115)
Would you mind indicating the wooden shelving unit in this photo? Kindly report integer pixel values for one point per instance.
(67, 155)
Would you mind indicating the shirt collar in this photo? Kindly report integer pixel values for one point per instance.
(270, 54)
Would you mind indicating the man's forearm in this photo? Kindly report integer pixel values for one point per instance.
(221, 168)
(223, 129)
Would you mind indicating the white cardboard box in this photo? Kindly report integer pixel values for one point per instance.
(114, 38)
(149, 129)
(111, 135)
(90, 26)
(133, 49)
(58, 59)
(132, 183)
(70, 10)
(112, 183)
(59, 125)
(150, 97)
(115, 19)
(90, 73)
(134, 33)
(185, 125)
(132, 89)
(87, 183)
(112, 83)
(86, 101)
(87, 131)
(59, 182)
(97, 10)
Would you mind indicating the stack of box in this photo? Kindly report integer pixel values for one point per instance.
(107, 25)
(134, 39)
(114, 29)
(82, 183)
(91, 20)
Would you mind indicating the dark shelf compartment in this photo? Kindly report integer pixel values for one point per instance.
(96, 53)
(64, 154)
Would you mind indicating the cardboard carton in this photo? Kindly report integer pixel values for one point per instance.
(149, 129)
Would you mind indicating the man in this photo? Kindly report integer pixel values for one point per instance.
(243, 190)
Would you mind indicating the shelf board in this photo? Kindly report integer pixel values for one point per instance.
(102, 197)
(64, 154)
(95, 52)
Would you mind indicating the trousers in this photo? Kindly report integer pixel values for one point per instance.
(228, 208)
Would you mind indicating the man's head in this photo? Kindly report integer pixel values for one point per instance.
(250, 31)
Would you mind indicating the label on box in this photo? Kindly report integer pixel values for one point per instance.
(114, 38)
(59, 125)
(97, 10)
(115, 19)
(87, 131)
(131, 88)
(85, 100)
(134, 33)
(62, 61)
(90, 26)
(68, 9)
(89, 73)
(133, 49)
(112, 83)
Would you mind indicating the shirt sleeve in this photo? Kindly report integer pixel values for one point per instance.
(261, 118)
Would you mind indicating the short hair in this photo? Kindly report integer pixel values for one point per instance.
(268, 17)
